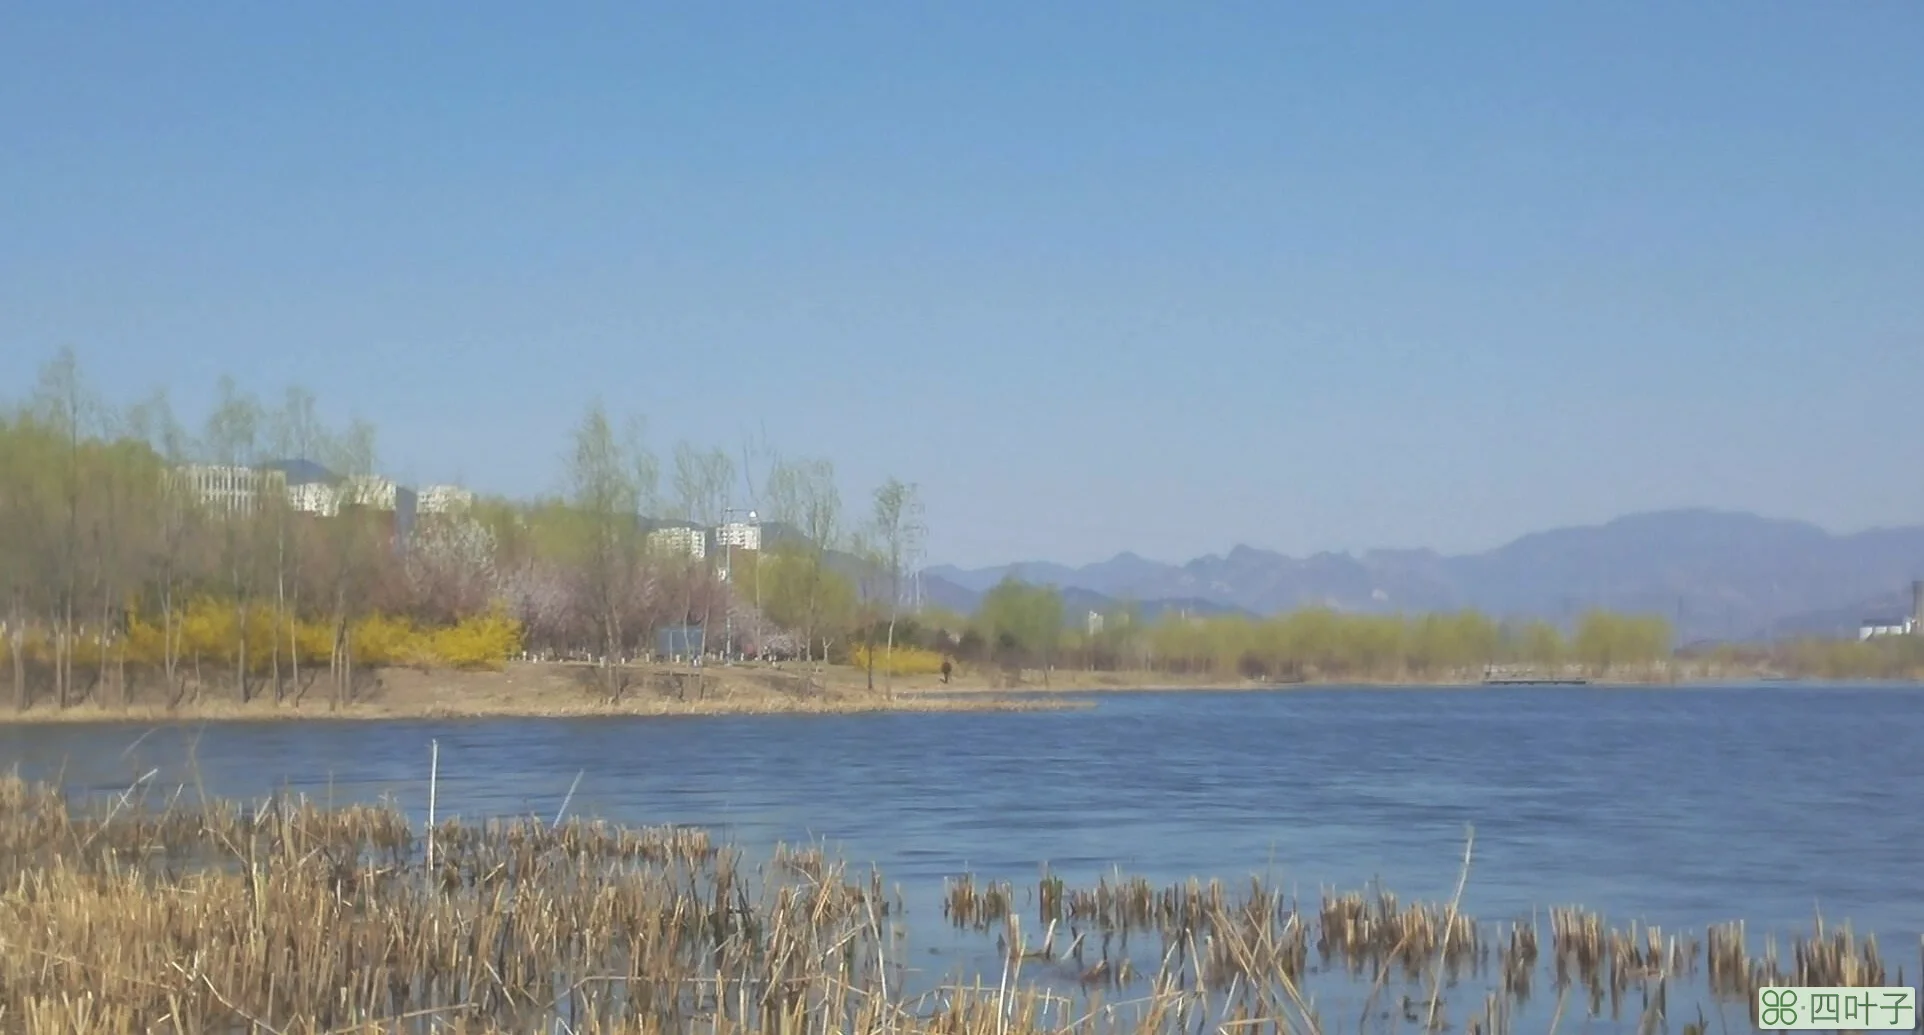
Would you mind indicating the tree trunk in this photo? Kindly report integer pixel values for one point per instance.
(280, 605)
(608, 675)
(888, 673)
(17, 643)
(168, 662)
(294, 646)
(337, 661)
(814, 585)
(63, 656)
(868, 650)
(895, 606)
(106, 638)
(240, 646)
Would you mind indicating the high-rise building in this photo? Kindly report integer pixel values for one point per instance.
(742, 535)
(685, 540)
(443, 499)
(227, 488)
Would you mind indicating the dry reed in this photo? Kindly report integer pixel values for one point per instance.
(138, 913)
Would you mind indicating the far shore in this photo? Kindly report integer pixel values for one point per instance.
(1080, 682)
(560, 690)
(550, 690)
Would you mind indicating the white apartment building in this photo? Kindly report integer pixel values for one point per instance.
(232, 490)
(371, 491)
(317, 498)
(1095, 623)
(362, 490)
(1887, 627)
(443, 499)
(679, 539)
(239, 490)
(742, 535)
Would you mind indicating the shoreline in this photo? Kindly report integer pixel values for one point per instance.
(374, 711)
(548, 690)
(543, 690)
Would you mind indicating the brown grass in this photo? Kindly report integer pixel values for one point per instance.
(557, 690)
(282, 917)
(561, 690)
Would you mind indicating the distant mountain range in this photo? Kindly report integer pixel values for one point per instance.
(1716, 574)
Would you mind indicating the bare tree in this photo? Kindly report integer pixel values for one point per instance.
(899, 533)
(232, 441)
(298, 435)
(176, 514)
(818, 503)
(702, 481)
(29, 552)
(607, 500)
(63, 406)
(122, 477)
(351, 539)
(871, 567)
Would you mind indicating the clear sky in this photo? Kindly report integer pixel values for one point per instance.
(1099, 276)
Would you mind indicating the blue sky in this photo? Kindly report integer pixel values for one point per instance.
(1098, 276)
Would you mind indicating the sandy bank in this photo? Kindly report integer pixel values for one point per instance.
(538, 690)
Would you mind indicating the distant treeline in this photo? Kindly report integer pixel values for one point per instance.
(1019, 625)
(117, 581)
(1023, 625)
(1880, 657)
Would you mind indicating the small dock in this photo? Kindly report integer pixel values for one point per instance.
(1503, 675)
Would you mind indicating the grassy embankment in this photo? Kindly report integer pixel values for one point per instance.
(537, 689)
(126, 917)
(559, 690)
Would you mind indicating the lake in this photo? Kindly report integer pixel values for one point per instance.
(1679, 807)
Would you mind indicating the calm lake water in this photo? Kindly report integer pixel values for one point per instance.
(1677, 807)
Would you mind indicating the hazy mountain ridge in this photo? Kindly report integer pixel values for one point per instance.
(1717, 574)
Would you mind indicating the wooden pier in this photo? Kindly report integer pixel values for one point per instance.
(1523, 675)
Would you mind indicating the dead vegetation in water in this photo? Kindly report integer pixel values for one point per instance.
(288, 917)
(137, 913)
(1207, 938)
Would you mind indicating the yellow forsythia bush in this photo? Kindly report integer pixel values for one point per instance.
(381, 640)
(204, 631)
(903, 661)
(482, 641)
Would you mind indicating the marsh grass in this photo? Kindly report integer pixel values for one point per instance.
(137, 913)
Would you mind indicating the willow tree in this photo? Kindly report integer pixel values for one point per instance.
(605, 489)
(299, 435)
(175, 516)
(1021, 622)
(30, 557)
(59, 407)
(353, 540)
(702, 479)
(898, 533)
(126, 477)
(807, 490)
(232, 440)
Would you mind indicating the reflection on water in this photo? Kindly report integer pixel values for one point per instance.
(1682, 808)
